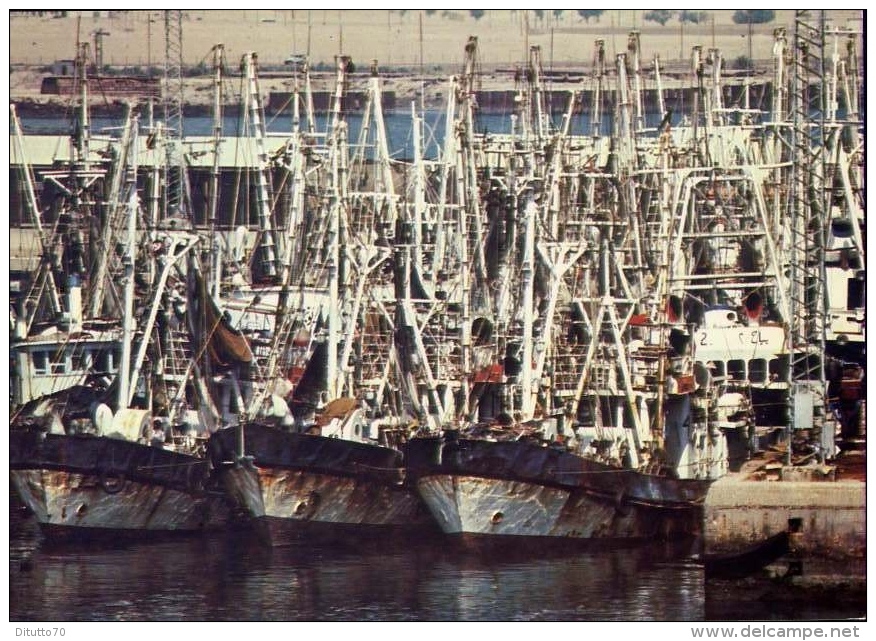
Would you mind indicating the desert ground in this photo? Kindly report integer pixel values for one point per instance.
(136, 40)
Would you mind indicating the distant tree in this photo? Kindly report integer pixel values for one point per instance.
(590, 13)
(557, 14)
(754, 16)
(695, 17)
(431, 12)
(477, 14)
(539, 13)
(659, 15)
(742, 62)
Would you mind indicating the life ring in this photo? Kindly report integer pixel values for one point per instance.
(111, 482)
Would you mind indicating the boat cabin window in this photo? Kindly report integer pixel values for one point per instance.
(102, 360)
(40, 362)
(855, 293)
(105, 360)
(778, 368)
(59, 362)
(80, 360)
(736, 369)
(757, 370)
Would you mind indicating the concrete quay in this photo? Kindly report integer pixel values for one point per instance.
(740, 512)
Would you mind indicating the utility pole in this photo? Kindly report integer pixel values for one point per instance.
(750, 59)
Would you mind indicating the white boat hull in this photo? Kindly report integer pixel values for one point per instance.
(70, 501)
(295, 503)
(478, 506)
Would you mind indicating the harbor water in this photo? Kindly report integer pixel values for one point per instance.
(233, 576)
(399, 127)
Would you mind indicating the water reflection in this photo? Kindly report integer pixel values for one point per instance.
(234, 576)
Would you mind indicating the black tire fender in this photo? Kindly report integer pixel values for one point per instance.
(621, 506)
(111, 482)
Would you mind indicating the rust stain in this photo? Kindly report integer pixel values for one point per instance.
(88, 501)
(475, 505)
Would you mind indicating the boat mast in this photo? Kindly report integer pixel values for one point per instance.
(218, 59)
(125, 382)
(268, 257)
(45, 277)
(448, 161)
(635, 49)
(598, 73)
(661, 105)
(83, 137)
(117, 205)
(338, 143)
(527, 272)
(419, 189)
(155, 179)
(537, 92)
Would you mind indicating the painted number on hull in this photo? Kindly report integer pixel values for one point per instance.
(753, 337)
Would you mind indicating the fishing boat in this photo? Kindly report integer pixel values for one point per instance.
(593, 420)
(314, 450)
(109, 418)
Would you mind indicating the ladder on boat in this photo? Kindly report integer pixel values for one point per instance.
(178, 356)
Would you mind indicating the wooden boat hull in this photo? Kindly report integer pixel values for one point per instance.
(743, 563)
(81, 485)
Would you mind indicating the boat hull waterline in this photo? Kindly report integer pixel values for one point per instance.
(296, 485)
(76, 485)
(488, 489)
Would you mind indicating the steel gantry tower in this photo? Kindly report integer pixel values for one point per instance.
(807, 402)
(173, 105)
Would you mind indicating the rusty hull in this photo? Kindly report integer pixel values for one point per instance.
(299, 503)
(301, 483)
(64, 500)
(472, 505)
(99, 483)
(518, 488)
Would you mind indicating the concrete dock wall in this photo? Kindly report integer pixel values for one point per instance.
(739, 513)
